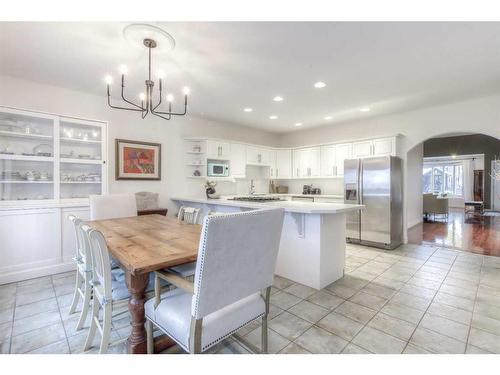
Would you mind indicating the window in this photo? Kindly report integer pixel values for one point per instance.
(443, 178)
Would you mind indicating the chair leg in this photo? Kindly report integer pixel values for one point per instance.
(264, 332)
(93, 325)
(87, 292)
(76, 295)
(149, 335)
(106, 328)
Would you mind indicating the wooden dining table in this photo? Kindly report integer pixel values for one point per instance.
(141, 245)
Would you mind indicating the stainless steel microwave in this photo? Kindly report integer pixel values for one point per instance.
(218, 170)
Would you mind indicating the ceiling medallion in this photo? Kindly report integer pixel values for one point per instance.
(150, 37)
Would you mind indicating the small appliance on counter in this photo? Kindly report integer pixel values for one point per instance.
(308, 189)
(218, 169)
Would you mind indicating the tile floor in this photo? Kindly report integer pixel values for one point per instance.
(416, 299)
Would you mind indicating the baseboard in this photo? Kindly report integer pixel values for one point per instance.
(415, 223)
(32, 273)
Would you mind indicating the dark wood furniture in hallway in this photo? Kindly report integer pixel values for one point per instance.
(477, 235)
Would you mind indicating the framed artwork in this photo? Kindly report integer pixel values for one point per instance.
(138, 160)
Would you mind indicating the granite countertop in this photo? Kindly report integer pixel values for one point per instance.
(289, 206)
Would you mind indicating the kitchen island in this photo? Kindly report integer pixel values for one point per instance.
(312, 247)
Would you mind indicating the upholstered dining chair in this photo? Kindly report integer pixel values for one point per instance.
(109, 292)
(236, 260)
(83, 287)
(112, 206)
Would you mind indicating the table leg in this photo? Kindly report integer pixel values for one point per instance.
(136, 284)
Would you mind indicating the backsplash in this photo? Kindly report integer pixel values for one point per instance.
(260, 177)
(333, 186)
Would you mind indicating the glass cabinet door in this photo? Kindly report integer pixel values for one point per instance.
(82, 171)
(26, 155)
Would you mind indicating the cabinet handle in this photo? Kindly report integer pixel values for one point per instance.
(297, 172)
(309, 171)
(259, 158)
(333, 170)
(276, 172)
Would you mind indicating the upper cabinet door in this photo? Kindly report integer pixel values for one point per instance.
(218, 150)
(272, 163)
(257, 156)
(306, 162)
(238, 160)
(328, 166)
(362, 149)
(384, 146)
(283, 163)
(314, 162)
(342, 151)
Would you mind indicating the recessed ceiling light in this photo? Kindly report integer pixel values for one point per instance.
(278, 99)
(298, 124)
(327, 117)
(319, 85)
(247, 109)
(273, 117)
(364, 109)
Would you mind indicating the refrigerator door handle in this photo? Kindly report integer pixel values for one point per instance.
(360, 188)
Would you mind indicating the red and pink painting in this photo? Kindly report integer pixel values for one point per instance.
(138, 160)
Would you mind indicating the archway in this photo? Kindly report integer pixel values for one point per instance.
(451, 151)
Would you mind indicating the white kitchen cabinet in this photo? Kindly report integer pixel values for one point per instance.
(343, 151)
(38, 241)
(283, 163)
(238, 161)
(218, 150)
(306, 162)
(328, 165)
(384, 146)
(362, 149)
(272, 163)
(258, 156)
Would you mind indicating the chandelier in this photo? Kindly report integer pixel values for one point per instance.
(148, 35)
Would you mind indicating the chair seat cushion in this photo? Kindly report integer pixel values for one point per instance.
(173, 316)
(184, 270)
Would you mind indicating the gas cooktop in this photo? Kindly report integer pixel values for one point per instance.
(256, 199)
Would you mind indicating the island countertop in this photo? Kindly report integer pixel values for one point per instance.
(289, 206)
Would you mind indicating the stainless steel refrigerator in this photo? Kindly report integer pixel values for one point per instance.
(377, 183)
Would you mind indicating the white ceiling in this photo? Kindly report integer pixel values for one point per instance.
(388, 67)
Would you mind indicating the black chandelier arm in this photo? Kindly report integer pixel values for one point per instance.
(144, 111)
(174, 113)
(163, 117)
(123, 95)
(117, 107)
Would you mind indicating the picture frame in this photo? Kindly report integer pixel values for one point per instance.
(137, 160)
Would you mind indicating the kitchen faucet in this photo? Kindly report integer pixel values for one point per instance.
(252, 188)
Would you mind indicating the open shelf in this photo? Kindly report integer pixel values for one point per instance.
(25, 157)
(81, 161)
(26, 182)
(77, 140)
(7, 133)
(81, 182)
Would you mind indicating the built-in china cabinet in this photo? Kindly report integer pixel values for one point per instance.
(49, 165)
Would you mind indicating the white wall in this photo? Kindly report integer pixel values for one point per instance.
(127, 125)
(480, 115)
(414, 165)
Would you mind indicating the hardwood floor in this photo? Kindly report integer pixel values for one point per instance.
(477, 235)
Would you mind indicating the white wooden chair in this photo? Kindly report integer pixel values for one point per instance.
(109, 293)
(83, 287)
(112, 206)
(234, 274)
(187, 215)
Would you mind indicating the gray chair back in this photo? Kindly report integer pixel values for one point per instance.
(236, 258)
